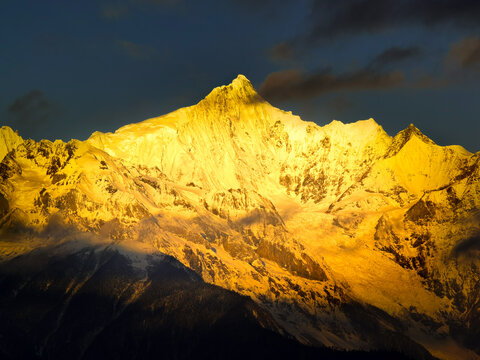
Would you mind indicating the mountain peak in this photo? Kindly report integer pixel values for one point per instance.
(241, 82)
(412, 130)
(404, 137)
(240, 90)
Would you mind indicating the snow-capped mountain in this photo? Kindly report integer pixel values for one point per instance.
(347, 237)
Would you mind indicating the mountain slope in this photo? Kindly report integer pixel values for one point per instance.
(348, 237)
(9, 140)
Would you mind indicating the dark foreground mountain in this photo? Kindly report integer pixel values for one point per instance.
(92, 303)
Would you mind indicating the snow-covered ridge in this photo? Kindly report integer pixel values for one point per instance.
(305, 219)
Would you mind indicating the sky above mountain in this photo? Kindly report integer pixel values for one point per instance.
(70, 68)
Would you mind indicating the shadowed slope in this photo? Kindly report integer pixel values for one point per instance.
(91, 303)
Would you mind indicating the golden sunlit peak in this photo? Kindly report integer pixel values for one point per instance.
(240, 90)
(240, 85)
(7, 130)
(413, 130)
(241, 81)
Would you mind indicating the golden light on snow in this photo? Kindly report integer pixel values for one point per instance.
(260, 202)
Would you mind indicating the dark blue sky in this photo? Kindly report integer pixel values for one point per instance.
(69, 68)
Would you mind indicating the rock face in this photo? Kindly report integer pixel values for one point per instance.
(347, 237)
(9, 140)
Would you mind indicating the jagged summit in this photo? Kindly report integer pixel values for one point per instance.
(240, 91)
(240, 82)
(221, 102)
(359, 124)
(413, 130)
(405, 135)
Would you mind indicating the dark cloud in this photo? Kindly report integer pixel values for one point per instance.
(394, 55)
(293, 84)
(31, 111)
(465, 53)
(282, 52)
(331, 18)
(136, 51)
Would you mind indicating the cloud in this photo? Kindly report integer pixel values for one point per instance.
(465, 53)
(331, 18)
(394, 55)
(293, 84)
(282, 52)
(136, 51)
(31, 111)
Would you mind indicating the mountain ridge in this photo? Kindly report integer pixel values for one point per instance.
(310, 222)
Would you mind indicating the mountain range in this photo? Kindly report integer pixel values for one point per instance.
(232, 224)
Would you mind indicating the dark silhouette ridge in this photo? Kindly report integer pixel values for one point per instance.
(93, 304)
